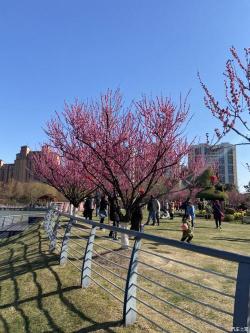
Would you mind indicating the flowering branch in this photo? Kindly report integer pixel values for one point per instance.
(234, 116)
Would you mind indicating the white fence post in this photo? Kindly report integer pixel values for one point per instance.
(86, 266)
(47, 219)
(51, 224)
(53, 238)
(66, 237)
(129, 315)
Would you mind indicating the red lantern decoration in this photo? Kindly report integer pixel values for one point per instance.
(213, 179)
(141, 191)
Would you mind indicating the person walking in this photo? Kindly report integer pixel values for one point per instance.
(88, 208)
(97, 203)
(218, 214)
(171, 210)
(152, 208)
(114, 215)
(165, 209)
(183, 207)
(187, 234)
(190, 212)
(103, 211)
(158, 212)
(136, 218)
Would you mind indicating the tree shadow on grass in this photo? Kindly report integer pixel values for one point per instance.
(154, 246)
(101, 326)
(159, 229)
(231, 239)
(197, 226)
(5, 324)
(29, 260)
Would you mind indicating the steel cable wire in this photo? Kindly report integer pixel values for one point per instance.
(184, 295)
(106, 290)
(186, 280)
(166, 316)
(181, 309)
(106, 279)
(189, 265)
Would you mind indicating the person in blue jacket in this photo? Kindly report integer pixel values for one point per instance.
(190, 211)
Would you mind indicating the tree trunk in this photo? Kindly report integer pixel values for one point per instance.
(124, 237)
(124, 224)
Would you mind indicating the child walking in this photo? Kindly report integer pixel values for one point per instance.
(186, 228)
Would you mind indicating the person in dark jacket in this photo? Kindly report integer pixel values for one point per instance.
(97, 203)
(217, 214)
(184, 207)
(88, 208)
(114, 215)
(152, 208)
(103, 211)
(136, 218)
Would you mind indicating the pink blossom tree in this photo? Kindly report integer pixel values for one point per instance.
(235, 198)
(66, 175)
(234, 115)
(128, 148)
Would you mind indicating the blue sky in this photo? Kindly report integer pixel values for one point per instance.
(52, 51)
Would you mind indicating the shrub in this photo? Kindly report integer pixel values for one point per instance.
(229, 218)
(230, 211)
(238, 215)
(210, 193)
(248, 213)
(200, 212)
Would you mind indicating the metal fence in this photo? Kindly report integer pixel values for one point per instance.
(19, 221)
(9, 221)
(173, 294)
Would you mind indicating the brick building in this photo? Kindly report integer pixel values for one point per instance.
(21, 169)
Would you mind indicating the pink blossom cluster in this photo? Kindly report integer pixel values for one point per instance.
(66, 175)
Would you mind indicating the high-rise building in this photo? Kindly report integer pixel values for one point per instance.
(223, 155)
(21, 169)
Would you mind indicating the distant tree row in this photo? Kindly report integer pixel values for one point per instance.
(26, 193)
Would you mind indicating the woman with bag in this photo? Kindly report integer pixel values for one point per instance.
(218, 214)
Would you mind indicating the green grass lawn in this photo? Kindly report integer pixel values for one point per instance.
(234, 237)
(37, 295)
